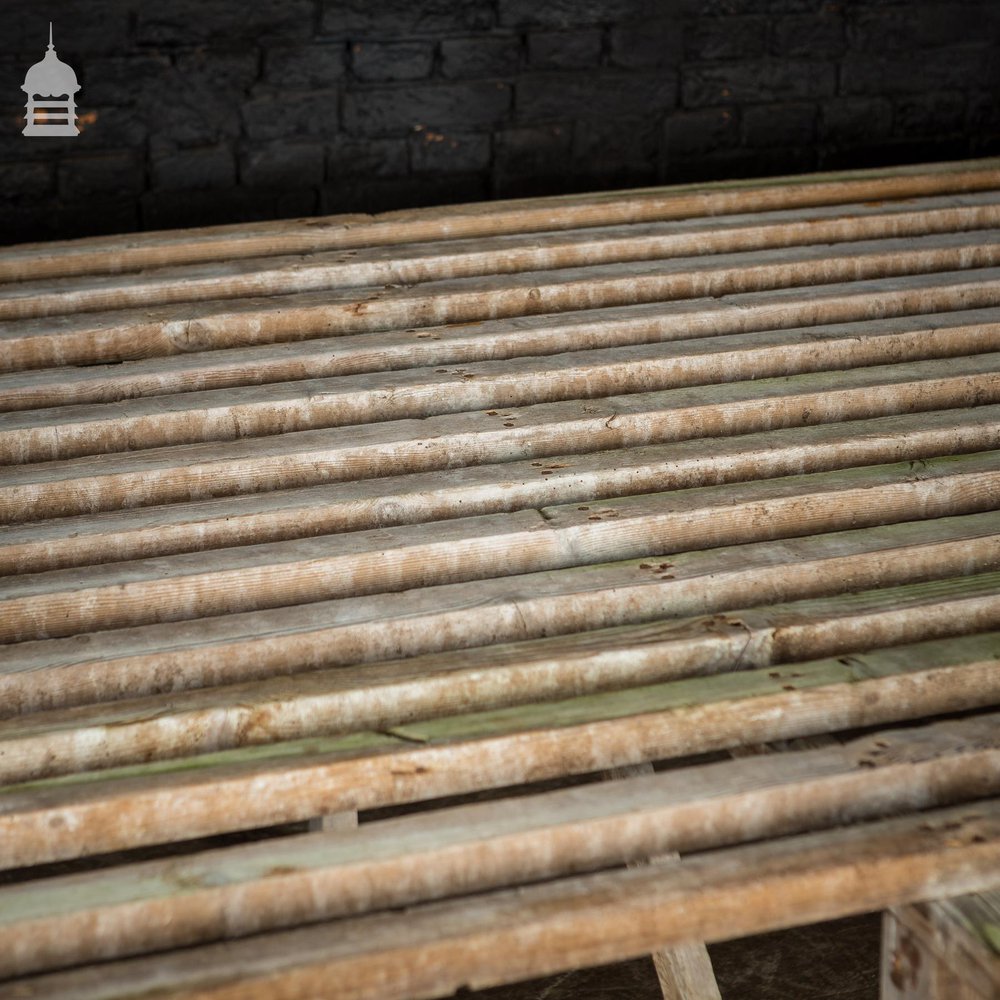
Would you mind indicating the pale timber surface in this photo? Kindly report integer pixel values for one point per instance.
(444, 516)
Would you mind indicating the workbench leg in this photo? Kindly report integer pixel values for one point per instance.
(684, 971)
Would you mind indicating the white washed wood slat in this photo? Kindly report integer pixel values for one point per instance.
(532, 931)
(379, 697)
(117, 254)
(498, 255)
(183, 327)
(230, 649)
(386, 560)
(201, 525)
(473, 504)
(190, 472)
(524, 336)
(253, 411)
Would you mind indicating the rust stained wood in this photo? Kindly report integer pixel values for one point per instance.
(385, 560)
(499, 255)
(117, 254)
(387, 694)
(524, 336)
(159, 330)
(236, 891)
(92, 812)
(225, 414)
(201, 525)
(190, 472)
(517, 934)
(233, 648)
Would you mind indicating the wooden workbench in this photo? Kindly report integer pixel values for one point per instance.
(433, 522)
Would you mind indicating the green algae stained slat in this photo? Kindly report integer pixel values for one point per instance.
(526, 931)
(222, 414)
(101, 811)
(236, 890)
(689, 693)
(378, 561)
(358, 631)
(301, 458)
(340, 700)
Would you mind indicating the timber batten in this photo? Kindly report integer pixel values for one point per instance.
(305, 518)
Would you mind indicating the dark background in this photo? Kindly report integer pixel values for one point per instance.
(205, 111)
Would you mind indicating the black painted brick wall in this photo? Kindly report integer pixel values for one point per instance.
(206, 111)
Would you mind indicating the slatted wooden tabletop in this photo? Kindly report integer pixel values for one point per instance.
(443, 509)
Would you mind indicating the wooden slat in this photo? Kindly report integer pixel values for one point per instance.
(499, 255)
(190, 472)
(394, 692)
(236, 891)
(658, 322)
(484, 489)
(353, 630)
(252, 411)
(518, 934)
(172, 329)
(142, 250)
(172, 588)
(75, 815)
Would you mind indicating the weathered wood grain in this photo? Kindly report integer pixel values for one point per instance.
(356, 630)
(422, 262)
(252, 411)
(202, 525)
(359, 513)
(684, 971)
(386, 560)
(233, 892)
(945, 948)
(142, 250)
(208, 325)
(189, 472)
(519, 933)
(394, 692)
(658, 322)
(93, 812)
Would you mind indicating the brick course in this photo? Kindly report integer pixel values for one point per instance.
(565, 49)
(194, 169)
(218, 111)
(392, 60)
(283, 165)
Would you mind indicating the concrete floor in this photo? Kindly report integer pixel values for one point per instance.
(832, 961)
